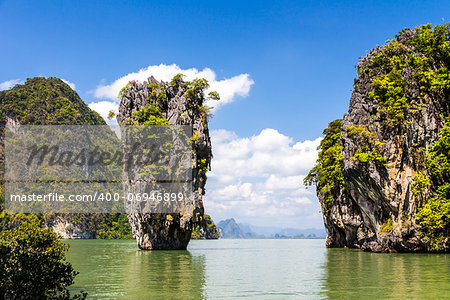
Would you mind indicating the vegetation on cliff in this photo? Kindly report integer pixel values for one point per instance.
(209, 231)
(327, 173)
(421, 63)
(399, 112)
(46, 101)
(434, 216)
(50, 101)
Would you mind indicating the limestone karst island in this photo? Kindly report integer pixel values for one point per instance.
(382, 175)
(272, 150)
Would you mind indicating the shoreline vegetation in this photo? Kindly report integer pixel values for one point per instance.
(33, 265)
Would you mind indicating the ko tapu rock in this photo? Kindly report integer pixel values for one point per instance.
(383, 172)
(176, 103)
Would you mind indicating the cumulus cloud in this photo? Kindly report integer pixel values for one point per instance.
(259, 179)
(267, 153)
(103, 108)
(71, 84)
(6, 85)
(229, 88)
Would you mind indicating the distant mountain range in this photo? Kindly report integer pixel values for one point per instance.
(231, 229)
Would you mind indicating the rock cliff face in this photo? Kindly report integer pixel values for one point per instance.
(67, 230)
(380, 176)
(180, 103)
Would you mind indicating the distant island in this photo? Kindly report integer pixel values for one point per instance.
(51, 101)
(230, 229)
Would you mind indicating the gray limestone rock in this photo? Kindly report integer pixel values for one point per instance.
(168, 230)
(377, 209)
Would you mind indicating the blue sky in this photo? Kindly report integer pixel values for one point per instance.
(300, 54)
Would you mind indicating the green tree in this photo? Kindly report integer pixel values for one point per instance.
(33, 265)
(327, 173)
(434, 216)
(209, 231)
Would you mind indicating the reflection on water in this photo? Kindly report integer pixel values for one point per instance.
(356, 274)
(255, 268)
(113, 269)
(172, 274)
(262, 268)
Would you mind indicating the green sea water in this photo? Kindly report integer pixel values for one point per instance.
(255, 268)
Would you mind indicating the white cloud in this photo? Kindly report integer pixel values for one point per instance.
(259, 179)
(71, 84)
(103, 108)
(6, 85)
(228, 89)
(269, 152)
(283, 182)
(301, 200)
